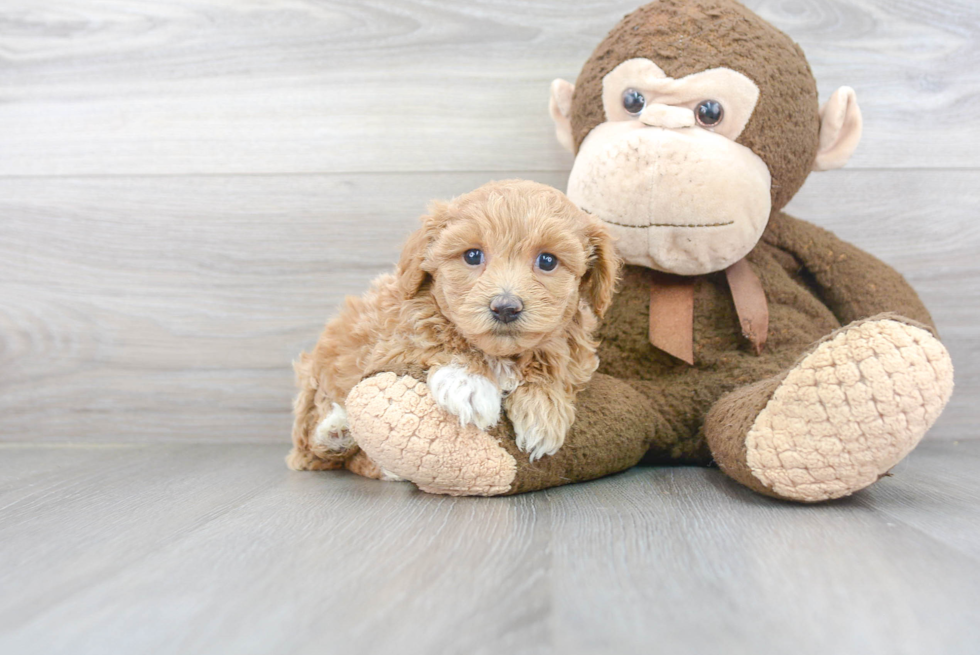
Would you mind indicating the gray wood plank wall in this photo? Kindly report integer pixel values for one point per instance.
(188, 188)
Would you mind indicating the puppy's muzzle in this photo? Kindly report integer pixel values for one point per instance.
(506, 308)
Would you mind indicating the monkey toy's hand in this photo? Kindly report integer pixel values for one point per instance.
(470, 396)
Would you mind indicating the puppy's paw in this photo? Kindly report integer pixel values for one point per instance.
(471, 397)
(541, 418)
(539, 440)
(332, 434)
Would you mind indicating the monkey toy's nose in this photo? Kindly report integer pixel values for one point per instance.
(667, 117)
(506, 308)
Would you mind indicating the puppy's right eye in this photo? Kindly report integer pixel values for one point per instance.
(473, 256)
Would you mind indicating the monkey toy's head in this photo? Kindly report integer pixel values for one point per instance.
(690, 123)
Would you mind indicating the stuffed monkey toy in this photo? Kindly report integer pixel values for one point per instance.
(802, 366)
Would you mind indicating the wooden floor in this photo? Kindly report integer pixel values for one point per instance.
(194, 548)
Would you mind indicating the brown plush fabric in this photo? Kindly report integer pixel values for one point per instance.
(612, 431)
(727, 424)
(793, 261)
(685, 37)
(852, 283)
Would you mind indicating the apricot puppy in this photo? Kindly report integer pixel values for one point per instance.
(495, 297)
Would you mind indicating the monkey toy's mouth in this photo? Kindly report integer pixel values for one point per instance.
(681, 225)
(681, 201)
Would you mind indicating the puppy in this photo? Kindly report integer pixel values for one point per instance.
(495, 298)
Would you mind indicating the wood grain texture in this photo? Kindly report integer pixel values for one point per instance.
(161, 260)
(780, 578)
(196, 548)
(249, 86)
(170, 307)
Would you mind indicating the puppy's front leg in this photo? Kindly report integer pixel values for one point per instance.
(541, 415)
(470, 396)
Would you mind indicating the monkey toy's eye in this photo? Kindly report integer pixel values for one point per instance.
(473, 256)
(709, 113)
(633, 101)
(547, 262)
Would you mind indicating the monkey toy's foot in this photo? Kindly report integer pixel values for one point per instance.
(840, 418)
(399, 426)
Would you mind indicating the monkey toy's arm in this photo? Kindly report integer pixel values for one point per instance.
(398, 425)
(853, 283)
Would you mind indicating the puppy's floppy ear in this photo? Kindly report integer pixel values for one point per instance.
(599, 282)
(411, 270)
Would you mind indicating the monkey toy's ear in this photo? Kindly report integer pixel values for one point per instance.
(411, 271)
(840, 130)
(561, 112)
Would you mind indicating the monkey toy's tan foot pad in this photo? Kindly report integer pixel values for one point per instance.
(841, 417)
(396, 422)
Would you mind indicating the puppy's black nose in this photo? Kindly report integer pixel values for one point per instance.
(506, 308)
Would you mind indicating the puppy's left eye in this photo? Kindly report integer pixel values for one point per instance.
(547, 262)
(473, 256)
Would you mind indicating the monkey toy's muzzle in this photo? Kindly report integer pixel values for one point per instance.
(684, 201)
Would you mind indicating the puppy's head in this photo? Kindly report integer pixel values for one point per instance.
(509, 263)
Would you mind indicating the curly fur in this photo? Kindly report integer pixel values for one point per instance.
(433, 313)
